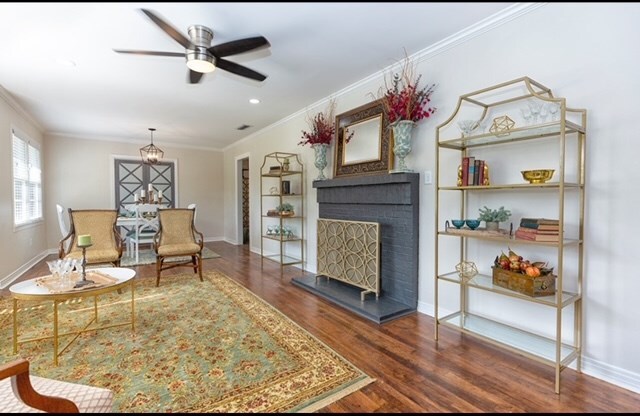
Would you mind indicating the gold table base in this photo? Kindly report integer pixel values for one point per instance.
(61, 297)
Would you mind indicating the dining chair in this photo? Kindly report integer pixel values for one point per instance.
(100, 224)
(146, 226)
(21, 392)
(177, 237)
(63, 220)
(193, 206)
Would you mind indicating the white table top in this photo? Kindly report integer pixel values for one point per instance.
(29, 287)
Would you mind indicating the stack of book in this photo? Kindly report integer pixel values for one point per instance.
(473, 171)
(538, 229)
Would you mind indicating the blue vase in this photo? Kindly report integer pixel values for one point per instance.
(402, 132)
(320, 159)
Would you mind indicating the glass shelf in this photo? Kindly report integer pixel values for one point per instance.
(527, 343)
(522, 133)
(469, 234)
(284, 259)
(279, 195)
(280, 174)
(485, 282)
(270, 237)
(518, 186)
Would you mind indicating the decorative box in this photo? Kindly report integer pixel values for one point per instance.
(543, 285)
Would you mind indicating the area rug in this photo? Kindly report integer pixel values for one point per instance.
(148, 256)
(209, 346)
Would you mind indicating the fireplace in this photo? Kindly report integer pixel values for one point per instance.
(392, 201)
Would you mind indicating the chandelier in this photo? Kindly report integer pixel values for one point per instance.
(150, 153)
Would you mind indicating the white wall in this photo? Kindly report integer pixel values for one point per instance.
(20, 247)
(586, 53)
(79, 175)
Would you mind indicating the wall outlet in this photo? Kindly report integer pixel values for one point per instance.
(428, 180)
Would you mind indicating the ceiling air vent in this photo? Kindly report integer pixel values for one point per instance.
(244, 127)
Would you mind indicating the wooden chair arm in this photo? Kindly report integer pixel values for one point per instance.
(19, 370)
(201, 242)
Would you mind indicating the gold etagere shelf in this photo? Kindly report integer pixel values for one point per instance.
(569, 125)
(282, 174)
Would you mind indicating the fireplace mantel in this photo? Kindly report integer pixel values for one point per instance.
(392, 200)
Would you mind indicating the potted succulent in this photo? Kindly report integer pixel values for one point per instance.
(285, 209)
(493, 217)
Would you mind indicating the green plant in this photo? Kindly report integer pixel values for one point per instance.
(494, 215)
(284, 207)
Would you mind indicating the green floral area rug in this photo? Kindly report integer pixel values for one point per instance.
(148, 256)
(209, 346)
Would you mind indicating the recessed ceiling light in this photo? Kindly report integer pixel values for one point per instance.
(65, 62)
(254, 101)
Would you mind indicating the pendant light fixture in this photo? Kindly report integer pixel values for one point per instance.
(151, 154)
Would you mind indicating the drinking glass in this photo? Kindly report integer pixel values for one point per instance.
(553, 109)
(535, 107)
(54, 268)
(526, 115)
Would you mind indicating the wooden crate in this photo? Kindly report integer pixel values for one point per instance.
(532, 286)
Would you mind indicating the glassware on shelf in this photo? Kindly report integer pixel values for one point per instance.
(535, 107)
(526, 115)
(467, 126)
(554, 109)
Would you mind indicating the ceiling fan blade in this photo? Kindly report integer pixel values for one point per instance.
(170, 30)
(195, 77)
(239, 69)
(239, 46)
(154, 53)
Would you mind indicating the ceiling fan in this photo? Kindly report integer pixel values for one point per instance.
(200, 55)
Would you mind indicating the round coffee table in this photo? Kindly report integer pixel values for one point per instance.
(31, 290)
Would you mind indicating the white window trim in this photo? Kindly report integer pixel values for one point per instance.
(37, 221)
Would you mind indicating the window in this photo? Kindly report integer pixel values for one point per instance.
(27, 182)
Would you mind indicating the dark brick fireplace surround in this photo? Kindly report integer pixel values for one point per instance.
(392, 200)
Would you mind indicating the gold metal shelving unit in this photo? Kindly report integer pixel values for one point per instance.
(286, 250)
(570, 127)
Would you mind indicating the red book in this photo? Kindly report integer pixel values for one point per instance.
(465, 171)
(472, 167)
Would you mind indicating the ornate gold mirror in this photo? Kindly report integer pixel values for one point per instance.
(369, 148)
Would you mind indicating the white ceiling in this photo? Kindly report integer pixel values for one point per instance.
(316, 49)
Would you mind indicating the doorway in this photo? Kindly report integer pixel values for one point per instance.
(242, 171)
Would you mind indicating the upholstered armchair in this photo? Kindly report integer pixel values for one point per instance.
(23, 393)
(100, 224)
(177, 237)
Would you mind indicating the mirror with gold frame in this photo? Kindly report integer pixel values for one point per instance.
(369, 149)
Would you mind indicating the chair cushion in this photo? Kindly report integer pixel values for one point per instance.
(178, 249)
(89, 399)
(97, 256)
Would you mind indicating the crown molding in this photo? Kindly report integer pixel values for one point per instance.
(470, 32)
(8, 98)
(130, 141)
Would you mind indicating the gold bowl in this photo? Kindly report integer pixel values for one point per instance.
(538, 175)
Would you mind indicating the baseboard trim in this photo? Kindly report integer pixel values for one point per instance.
(594, 368)
(7, 280)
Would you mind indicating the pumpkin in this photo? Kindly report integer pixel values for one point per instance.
(532, 271)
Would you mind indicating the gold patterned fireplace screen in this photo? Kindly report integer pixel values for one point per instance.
(349, 251)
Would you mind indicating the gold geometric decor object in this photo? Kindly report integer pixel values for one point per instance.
(466, 270)
(348, 252)
(501, 125)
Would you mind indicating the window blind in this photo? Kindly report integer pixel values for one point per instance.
(27, 181)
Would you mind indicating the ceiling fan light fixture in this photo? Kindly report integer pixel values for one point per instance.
(151, 154)
(200, 62)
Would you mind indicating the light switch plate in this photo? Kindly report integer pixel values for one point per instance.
(428, 180)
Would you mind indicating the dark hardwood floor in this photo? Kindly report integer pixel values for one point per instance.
(413, 373)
